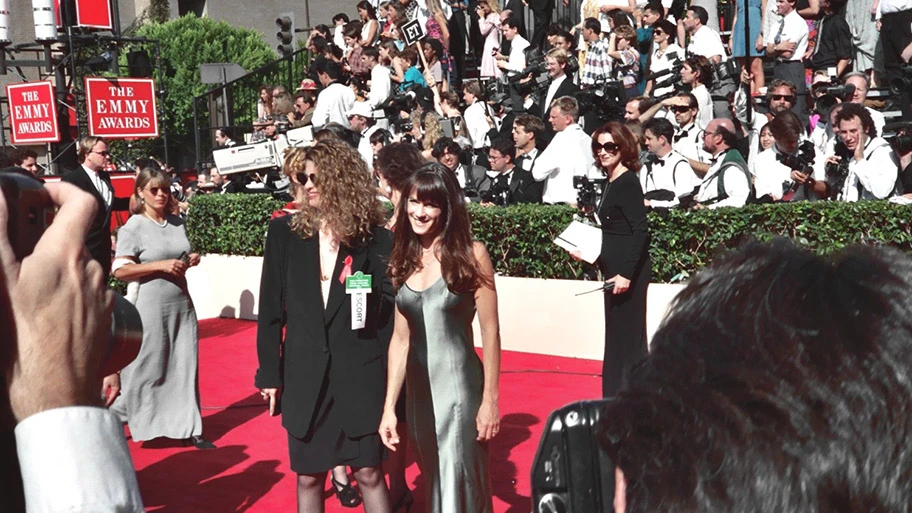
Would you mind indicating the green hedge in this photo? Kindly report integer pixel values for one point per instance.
(520, 238)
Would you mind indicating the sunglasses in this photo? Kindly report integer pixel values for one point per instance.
(304, 177)
(155, 190)
(609, 147)
(786, 97)
(658, 32)
(681, 108)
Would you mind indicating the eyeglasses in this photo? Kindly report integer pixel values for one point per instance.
(304, 177)
(155, 190)
(658, 32)
(681, 108)
(609, 147)
(786, 97)
(102, 153)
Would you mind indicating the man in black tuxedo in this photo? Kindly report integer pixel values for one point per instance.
(91, 177)
(561, 85)
(541, 18)
(505, 184)
(526, 130)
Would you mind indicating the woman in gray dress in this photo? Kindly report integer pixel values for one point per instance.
(442, 277)
(160, 389)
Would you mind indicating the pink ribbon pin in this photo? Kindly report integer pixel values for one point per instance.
(346, 269)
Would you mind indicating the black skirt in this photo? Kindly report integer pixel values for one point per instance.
(326, 445)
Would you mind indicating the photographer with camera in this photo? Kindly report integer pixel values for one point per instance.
(791, 170)
(858, 93)
(516, 61)
(667, 176)
(56, 316)
(727, 183)
(448, 153)
(566, 156)
(902, 145)
(867, 168)
(665, 56)
(499, 184)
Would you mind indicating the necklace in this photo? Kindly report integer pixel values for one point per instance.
(162, 224)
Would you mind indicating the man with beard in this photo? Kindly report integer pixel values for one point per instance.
(781, 95)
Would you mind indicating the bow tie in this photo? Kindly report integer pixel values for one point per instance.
(680, 135)
(712, 160)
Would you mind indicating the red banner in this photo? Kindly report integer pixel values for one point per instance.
(121, 107)
(32, 112)
(94, 14)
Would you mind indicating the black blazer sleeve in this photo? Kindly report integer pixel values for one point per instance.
(634, 210)
(271, 317)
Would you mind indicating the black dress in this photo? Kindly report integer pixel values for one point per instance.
(625, 244)
(333, 377)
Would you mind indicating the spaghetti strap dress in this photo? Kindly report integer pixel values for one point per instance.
(445, 381)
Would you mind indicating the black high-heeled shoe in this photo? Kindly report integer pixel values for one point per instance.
(347, 495)
(199, 442)
(405, 501)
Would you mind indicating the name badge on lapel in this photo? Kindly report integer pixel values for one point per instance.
(358, 286)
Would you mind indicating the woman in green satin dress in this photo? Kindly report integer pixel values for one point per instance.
(442, 277)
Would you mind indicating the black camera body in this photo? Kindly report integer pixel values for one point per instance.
(571, 473)
(803, 161)
(837, 173)
(498, 194)
(588, 192)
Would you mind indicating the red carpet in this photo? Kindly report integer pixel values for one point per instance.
(249, 470)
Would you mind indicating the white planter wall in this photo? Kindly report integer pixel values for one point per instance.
(536, 316)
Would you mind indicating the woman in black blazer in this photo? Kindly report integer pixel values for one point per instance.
(624, 260)
(327, 376)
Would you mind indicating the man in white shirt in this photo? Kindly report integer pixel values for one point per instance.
(697, 73)
(727, 183)
(335, 99)
(518, 45)
(787, 45)
(569, 154)
(862, 83)
(381, 85)
(873, 166)
(706, 41)
(361, 121)
(666, 169)
(688, 136)
(72, 453)
(475, 117)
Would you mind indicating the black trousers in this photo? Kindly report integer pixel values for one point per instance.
(457, 28)
(895, 35)
(625, 331)
(540, 20)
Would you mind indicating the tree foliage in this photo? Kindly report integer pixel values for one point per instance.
(190, 41)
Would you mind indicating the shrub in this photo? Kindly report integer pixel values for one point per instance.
(520, 238)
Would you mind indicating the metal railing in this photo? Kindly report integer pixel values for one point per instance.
(234, 105)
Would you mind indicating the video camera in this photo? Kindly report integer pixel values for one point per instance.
(803, 162)
(588, 193)
(902, 141)
(535, 67)
(667, 78)
(606, 100)
(571, 473)
(841, 91)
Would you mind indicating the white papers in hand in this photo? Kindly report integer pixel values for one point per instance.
(583, 238)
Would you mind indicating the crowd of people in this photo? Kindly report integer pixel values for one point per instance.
(784, 116)
(368, 335)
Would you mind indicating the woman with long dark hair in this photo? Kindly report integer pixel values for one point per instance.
(442, 277)
(370, 27)
(624, 260)
(327, 369)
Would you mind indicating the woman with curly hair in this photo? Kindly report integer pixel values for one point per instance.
(325, 375)
(624, 260)
(442, 277)
(426, 130)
